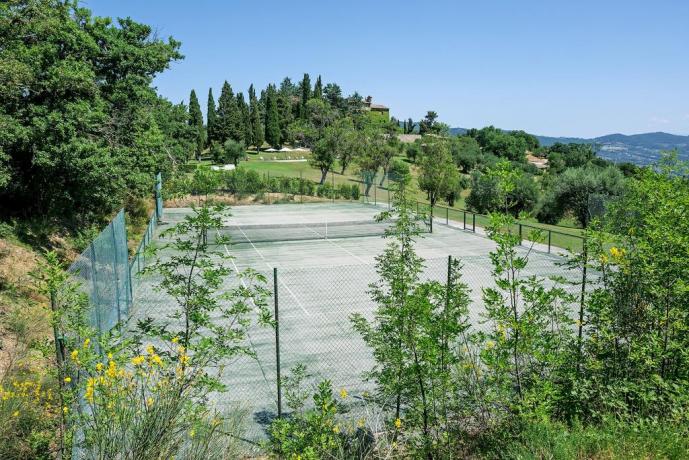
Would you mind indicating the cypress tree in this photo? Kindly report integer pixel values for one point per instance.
(318, 89)
(258, 135)
(272, 122)
(245, 121)
(196, 121)
(227, 121)
(211, 119)
(305, 95)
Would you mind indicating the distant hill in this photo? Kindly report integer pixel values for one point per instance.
(641, 149)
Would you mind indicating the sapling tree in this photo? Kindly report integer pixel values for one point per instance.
(415, 330)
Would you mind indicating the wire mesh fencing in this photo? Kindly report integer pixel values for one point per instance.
(102, 271)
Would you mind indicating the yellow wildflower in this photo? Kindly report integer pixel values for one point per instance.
(87, 341)
(490, 344)
(65, 409)
(156, 359)
(361, 423)
(68, 379)
(110, 356)
(617, 253)
(343, 393)
(75, 355)
(336, 429)
(150, 349)
(149, 401)
(112, 369)
(175, 339)
(99, 367)
(398, 423)
(138, 360)
(184, 359)
(192, 433)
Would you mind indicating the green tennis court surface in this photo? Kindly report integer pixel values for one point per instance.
(323, 278)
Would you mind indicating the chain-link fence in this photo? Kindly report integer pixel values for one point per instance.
(102, 271)
(105, 273)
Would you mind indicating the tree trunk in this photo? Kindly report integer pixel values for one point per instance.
(324, 175)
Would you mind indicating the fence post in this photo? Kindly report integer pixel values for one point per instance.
(581, 302)
(520, 234)
(277, 341)
(431, 219)
(389, 204)
(301, 187)
(549, 236)
(129, 271)
(332, 174)
(94, 270)
(447, 216)
(465, 220)
(473, 222)
(114, 269)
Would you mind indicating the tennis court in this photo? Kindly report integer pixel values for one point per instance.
(325, 255)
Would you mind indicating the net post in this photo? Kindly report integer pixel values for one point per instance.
(447, 216)
(521, 239)
(375, 194)
(473, 222)
(431, 219)
(465, 220)
(389, 204)
(301, 186)
(332, 193)
(549, 236)
(277, 341)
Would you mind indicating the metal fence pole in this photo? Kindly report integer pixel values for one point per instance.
(549, 237)
(375, 197)
(581, 303)
(465, 220)
(447, 216)
(473, 222)
(301, 186)
(389, 203)
(277, 341)
(332, 175)
(114, 269)
(521, 239)
(94, 274)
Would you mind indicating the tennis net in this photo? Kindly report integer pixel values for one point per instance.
(265, 233)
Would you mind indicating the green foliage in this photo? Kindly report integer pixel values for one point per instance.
(272, 120)
(466, 152)
(228, 153)
(82, 125)
(438, 176)
(572, 190)
(196, 122)
(228, 120)
(505, 144)
(211, 119)
(487, 195)
(569, 155)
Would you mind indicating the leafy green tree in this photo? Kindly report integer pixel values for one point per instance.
(415, 330)
(305, 87)
(272, 122)
(633, 330)
(285, 113)
(82, 126)
(574, 155)
(465, 152)
(486, 195)
(335, 143)
(196, 121)
(229, 152)
(438, 175)
(211, 119)
(409, 126)
(257, 130)
(500, 143)
(413, 151)
(572, 190)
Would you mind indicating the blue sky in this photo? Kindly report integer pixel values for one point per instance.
(557, 67)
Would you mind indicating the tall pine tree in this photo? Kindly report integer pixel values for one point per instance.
(272, 122)
(258, 135)
(211, 119)
(196, 121)
(318, 89)
(305, 86)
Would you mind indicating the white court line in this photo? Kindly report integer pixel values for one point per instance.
(269, 267)
(336, 245)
